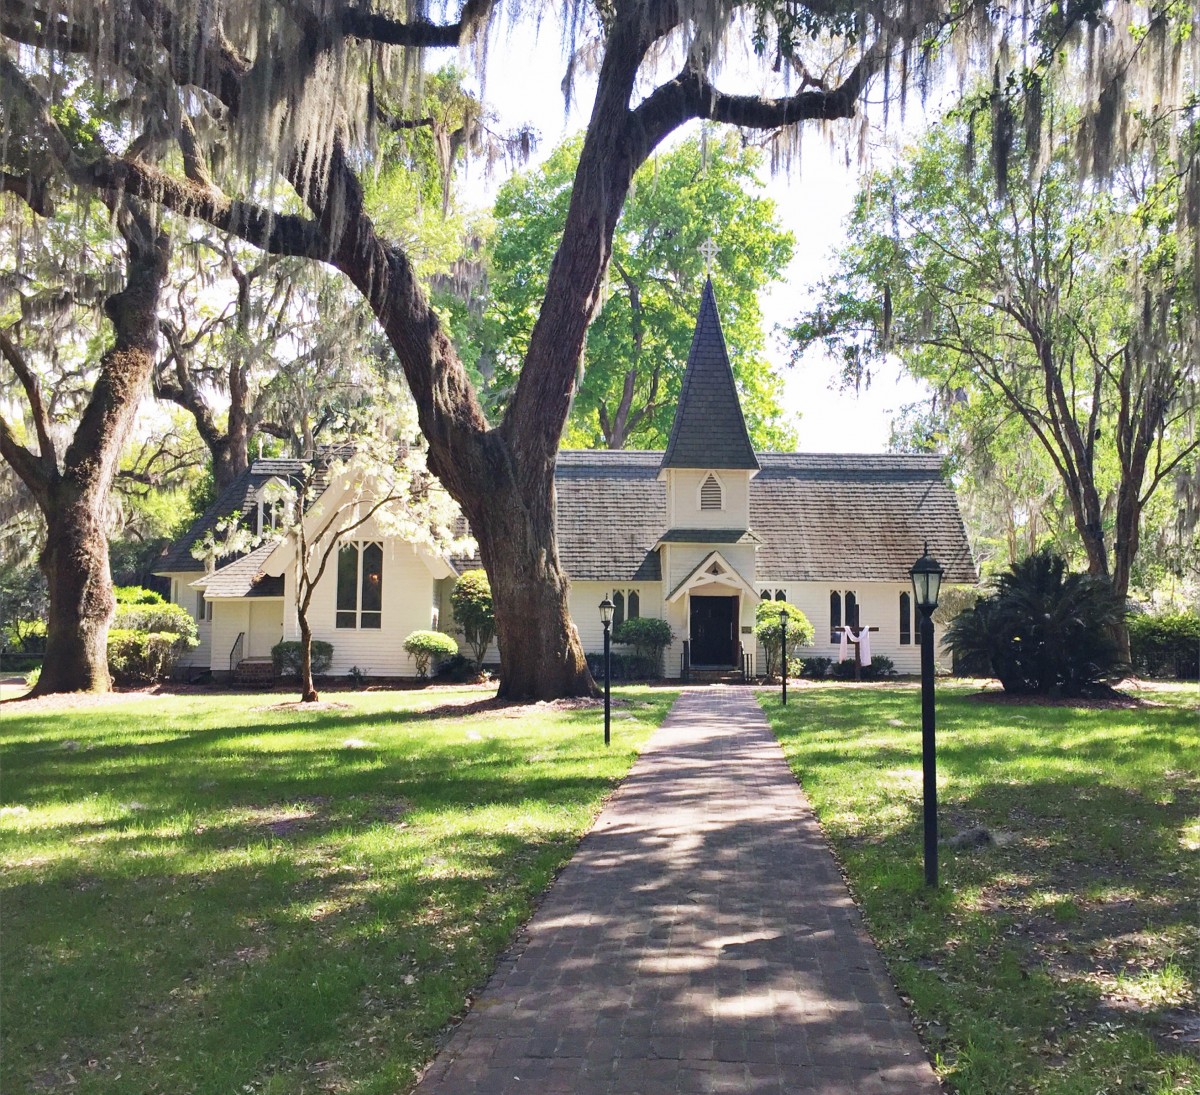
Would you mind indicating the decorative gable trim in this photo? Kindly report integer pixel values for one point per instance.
(714, 568)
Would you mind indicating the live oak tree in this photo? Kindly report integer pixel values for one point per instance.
(72, 490)
(1032, 300)
(220, 104)
(637, 346)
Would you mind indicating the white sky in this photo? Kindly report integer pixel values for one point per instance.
(524, 86)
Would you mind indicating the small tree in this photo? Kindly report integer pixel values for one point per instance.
(648, 637)
(374, 480)
(423, 645)
(768, 627)
(472, 603)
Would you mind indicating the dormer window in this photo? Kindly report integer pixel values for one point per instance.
(276, 502)
(711, 494)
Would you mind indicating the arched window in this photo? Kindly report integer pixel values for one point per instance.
(710, 493)
(635, 604)
(360, 586)
(905, 620)
(835, 615)
(765, 595)
(781, 594)
(618, 608)
(851, 610)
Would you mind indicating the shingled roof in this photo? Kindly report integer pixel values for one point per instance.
(709, 430)
(833, 516)
(612, 509)
(241, 496)
(818, 517)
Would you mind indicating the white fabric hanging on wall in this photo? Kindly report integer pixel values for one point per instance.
(863, 638)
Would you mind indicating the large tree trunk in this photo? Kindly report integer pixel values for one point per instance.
(540, 653)
(75, 563)
(75, 558)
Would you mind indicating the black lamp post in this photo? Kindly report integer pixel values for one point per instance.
(783, 619)
(927, 582)
(606, 618)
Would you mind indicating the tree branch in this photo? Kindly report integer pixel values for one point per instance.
(33, 392)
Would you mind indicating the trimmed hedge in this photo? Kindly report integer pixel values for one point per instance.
(139, 657)
(286, 657)
(1166, 645)
(150, 617)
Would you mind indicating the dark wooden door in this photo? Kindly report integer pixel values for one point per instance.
(713, 630)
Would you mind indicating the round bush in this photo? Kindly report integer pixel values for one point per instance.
(423, 645)
(649, 638)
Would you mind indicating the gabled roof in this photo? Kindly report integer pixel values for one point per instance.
(709, 430)
(713, 568)
(241, 496)
(817, 516)
(244, 577)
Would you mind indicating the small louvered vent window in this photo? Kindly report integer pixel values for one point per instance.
(710, 493)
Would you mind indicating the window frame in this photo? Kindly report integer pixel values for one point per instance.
(342, 610)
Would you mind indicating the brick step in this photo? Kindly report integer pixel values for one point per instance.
(255, 671)
(715, 676)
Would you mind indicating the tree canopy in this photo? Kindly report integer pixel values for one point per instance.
(705, 188)
(262, 120)
(1049, 315)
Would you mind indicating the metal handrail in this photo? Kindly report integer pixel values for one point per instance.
(235, 655)
(685, 662)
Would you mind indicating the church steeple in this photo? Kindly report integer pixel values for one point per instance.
(709, 429)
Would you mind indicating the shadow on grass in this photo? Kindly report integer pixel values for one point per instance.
(1027, 951)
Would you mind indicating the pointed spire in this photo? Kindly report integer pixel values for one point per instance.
(709, 429)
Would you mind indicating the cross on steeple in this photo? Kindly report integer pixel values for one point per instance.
(709, 250)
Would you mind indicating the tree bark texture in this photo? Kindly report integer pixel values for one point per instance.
(74, 500)
(308, 690)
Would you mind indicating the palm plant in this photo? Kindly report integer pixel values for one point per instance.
(1043, 631)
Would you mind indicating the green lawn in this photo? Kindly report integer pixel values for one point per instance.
(1064, 958)
(201, 894)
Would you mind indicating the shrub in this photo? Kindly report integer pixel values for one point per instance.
(286, 657)
(423, 645)
(1043, 631)
(33, 676)
(649, 638)
(881, 666)
(624, 667)
(137, 595)
(1166, 645)
(457, 668)
(156, 617)
(137, 657)
(768, 626)
(471, 600)
(816, 668)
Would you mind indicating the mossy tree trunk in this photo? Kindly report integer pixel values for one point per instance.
(73, 498)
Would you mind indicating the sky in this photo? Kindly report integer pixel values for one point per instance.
(525, 72)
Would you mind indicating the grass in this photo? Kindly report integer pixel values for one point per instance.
(204, 895)
(1062, 959)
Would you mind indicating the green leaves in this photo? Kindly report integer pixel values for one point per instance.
(637, 347)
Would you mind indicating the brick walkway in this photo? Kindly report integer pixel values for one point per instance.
(700, 940)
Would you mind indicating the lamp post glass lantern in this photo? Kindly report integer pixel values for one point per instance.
(783, 672)
(606, 618)
(927, 576)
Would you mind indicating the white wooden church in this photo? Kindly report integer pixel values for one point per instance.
(695, 535)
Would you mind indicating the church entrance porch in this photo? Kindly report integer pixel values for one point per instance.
(714, 631)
